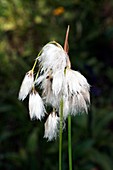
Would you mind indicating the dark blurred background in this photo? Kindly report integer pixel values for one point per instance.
(25, 27)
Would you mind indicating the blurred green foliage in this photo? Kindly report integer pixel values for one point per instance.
(25, 26)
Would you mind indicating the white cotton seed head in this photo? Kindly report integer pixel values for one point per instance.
(51, 126)
(85, 93)
(82, 80)
(85, 88)
(76, 93)
(53, 58)
(72, 83)
(76, 83)
(78, 104)
(36, 106)
(26, 85)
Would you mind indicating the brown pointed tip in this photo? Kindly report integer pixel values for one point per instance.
(66, 45)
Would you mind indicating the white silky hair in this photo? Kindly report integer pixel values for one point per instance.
(53, 58)
(78, 104)
(66, 107)
(76, 93)
(62, 81)
(40, 79)
(75, 83)
(26, 85)
(47, 93)
(36, 106)
(51, 126)
(72, 86)
(57, 83)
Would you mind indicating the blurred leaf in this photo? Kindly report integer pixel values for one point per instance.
(32, 141)
(102, 160)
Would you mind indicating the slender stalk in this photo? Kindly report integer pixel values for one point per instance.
(69, 143)
(60, 135)
(66, 49)
(34, 64)
(36, 60)
(66, 45)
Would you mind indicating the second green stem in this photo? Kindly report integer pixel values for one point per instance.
(69, 142)
(60, 134)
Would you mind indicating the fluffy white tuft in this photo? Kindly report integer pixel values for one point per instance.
(76, 93)
(53, 58)
(36, 106)
(66, 107)
(57, 83)
(47, 92)
(26, 85)
(51, 126)
(78, 104)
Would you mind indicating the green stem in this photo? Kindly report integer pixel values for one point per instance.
(60, 135)
(69, 143)
(36, 60)
(34, 64)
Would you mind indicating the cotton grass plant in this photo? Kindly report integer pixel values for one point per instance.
(65, 90)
